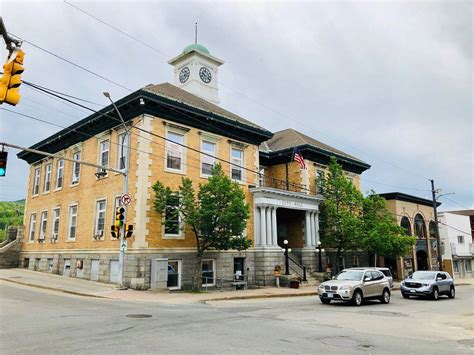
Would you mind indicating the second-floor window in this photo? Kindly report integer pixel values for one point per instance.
(237, 160)
(174, 151)
(320, 181)
(36, 181)
(460, 239)
(76, 168)
(47, 177)
(72, 222)
(55, 228)
(104, 150)
(32, 227)
(100, 218)
(207, 159)
(43, 225)
(122, 151)
(60, 174)
(172, 219)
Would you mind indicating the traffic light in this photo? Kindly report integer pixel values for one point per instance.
(3, 163)
(11, 78)
(114, 231)
(128, 231)
(119, 216)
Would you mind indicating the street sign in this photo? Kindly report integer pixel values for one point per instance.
(123, 245)
(125, 199)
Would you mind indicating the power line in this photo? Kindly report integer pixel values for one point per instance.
(457, 203)
(400, 187)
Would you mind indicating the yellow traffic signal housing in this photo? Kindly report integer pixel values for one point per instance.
(114, 230)
(11, 79)
(119, 216)
(128, 231)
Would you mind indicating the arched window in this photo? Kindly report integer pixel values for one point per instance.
(420, 228)
(432, 229)
(405, 224)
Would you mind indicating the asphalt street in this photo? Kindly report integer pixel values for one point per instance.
(46, 322)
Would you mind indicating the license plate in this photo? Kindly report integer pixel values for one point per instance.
(412, 291)
(329, 295)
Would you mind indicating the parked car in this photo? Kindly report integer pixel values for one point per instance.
(428, 284)
(355, 285)
(388, 274)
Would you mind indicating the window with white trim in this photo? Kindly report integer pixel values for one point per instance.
(208, 272)
(60, 174)
(320, 175)
(122, 150)
(100, 219)
(460, 239)
(55, 225)
(172, 217)
(104, 151)
(237, 160)
(72, 222)
(47, 177)
(43, 225)
(76, 168)
(174, 151)
(36, 182)
(208, 159)
(32, 227)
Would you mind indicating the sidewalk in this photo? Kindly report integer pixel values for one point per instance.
(88, 288)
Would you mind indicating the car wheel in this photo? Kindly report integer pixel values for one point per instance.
(357, 298)
(452, 292)
(405, 295)
(325, 301)
(385, 299)
(435, 294)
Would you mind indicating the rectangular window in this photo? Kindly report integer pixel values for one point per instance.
(355, 261)
(320, 181)
(467, 265)
(36, 182)
(47, 177)
(174, 274)
(76, 168)
(460, 239)
(60, 174)
(72, 222)
(32, 227)
(207, 162)
(174, 151)
(455, 266)
(100, 219)
(237, 160)
(55, 228)
(104, 150)
(172, 219)
(122, 152)
(43, 225)
(208, 273)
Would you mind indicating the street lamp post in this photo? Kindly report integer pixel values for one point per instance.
(125, 188)
(320, 261)
(287, 266)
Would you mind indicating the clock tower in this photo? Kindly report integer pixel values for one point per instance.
(196, 71)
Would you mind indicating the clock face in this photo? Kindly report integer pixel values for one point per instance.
(184, 75)
(205, 75)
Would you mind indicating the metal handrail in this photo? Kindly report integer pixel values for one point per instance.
(303, 268)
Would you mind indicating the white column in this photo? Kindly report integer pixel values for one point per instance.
(263, 226)
(257, 238)
(313, 229)
(269, 225)
(307, 229)
(316, 228)
(274, 227)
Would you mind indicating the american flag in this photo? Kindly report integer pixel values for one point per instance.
(297, 156)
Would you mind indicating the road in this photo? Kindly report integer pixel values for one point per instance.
(44, 322)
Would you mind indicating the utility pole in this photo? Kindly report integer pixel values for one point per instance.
(435, 205)
(125, 189)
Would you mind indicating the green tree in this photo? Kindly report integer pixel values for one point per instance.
(341, 222)
(217, 216)
(381, 235)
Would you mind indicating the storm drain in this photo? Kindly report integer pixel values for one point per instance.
(138, 315)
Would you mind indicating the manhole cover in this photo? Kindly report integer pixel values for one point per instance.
(340, 341)
(138, 315)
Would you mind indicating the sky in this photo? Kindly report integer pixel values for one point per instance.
(388, 82)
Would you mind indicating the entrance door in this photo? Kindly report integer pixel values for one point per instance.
(422, 260)
(174, 275)
(67, 267)
(95, 270)
(239, 271)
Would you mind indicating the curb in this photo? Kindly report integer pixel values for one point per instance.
(54, 289)
(230, 298)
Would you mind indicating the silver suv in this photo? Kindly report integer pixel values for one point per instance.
(355, 285)
(428, 284)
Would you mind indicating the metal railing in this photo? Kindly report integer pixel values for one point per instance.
(298, 268)
(268, 181)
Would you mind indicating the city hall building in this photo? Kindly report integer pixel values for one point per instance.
(176, 131)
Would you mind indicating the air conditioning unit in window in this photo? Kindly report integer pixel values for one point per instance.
(54, 238)
(99, 235)
(101, 173)
(41, 239)
(75, 182)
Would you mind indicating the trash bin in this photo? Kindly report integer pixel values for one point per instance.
(294, 284)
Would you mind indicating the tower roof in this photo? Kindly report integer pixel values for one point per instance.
(196, 47)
